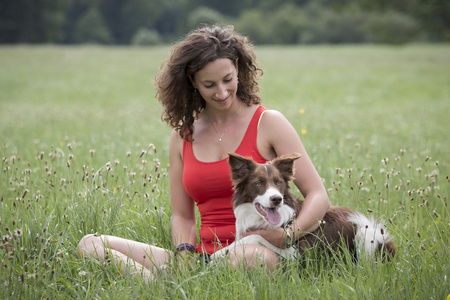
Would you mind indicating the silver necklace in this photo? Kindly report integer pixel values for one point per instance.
(226, 129)
(221, 135)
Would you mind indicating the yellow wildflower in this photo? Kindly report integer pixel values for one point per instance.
(302, 111)
(303, 131)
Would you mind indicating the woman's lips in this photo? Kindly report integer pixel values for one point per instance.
(223, 101)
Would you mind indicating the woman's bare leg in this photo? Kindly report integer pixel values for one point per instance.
(130, 256)
(143, 259)
(253, 256)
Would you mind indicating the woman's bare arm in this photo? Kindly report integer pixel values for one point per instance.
(276, 136)
(183, 209)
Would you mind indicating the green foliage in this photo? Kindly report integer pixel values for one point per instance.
(30, 21)
(315, 24)
(203, 16)
(83, 150)
(146, 37)
(323, 25)
(391, 27)
(91, 28)
(285, 24)
(266, 22)
(136, 14)
(432, 16)
(250, 24)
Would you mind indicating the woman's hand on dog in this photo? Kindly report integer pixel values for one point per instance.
(276, 237)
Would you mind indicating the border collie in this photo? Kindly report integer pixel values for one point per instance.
(262, 200)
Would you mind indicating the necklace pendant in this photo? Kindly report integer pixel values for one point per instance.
(220, 139)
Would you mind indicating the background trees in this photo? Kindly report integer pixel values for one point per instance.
(150, 22)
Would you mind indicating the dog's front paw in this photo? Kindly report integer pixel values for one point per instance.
(220, 253)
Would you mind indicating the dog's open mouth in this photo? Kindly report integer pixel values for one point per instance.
(270, 213)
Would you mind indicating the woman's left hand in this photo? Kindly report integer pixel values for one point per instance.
(276, 237)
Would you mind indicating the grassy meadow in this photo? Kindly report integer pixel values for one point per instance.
(84, 150)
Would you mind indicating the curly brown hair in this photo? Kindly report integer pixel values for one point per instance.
(173, 83)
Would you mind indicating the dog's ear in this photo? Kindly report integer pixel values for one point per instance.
(240, 166)
(285, 164)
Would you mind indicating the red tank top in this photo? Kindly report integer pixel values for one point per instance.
(209, 184)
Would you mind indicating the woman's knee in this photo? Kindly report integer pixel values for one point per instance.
(89, 244)
(252, 256)
(268, 259)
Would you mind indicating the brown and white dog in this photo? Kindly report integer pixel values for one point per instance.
(262, 200)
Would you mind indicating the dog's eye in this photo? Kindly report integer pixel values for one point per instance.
(258, 183)
(279, 182)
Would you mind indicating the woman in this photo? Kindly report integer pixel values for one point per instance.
(209, 91)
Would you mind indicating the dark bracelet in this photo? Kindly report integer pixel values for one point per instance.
(186, 246)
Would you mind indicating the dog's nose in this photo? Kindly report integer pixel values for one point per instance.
(276, 199)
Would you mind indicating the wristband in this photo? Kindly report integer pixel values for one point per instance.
(186, 246)
(290, 239)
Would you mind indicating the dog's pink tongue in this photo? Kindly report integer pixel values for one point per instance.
(273, 216)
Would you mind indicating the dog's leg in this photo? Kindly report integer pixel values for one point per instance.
(287, 253)
(254, 239)
(223, 252)
(248, 240)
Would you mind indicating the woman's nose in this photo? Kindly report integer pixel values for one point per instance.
(221, 91)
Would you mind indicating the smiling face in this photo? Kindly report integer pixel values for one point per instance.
(217, 82)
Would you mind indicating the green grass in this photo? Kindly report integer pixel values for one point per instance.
(84, 150)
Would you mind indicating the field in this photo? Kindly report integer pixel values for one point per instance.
(84, 150)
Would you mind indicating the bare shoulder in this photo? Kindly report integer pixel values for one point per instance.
(274, 121)
(176, 144)
(277, 136)
(175, 137)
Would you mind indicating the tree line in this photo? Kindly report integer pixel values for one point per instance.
(151, 22)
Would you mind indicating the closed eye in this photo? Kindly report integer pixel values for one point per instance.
(212, 84)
